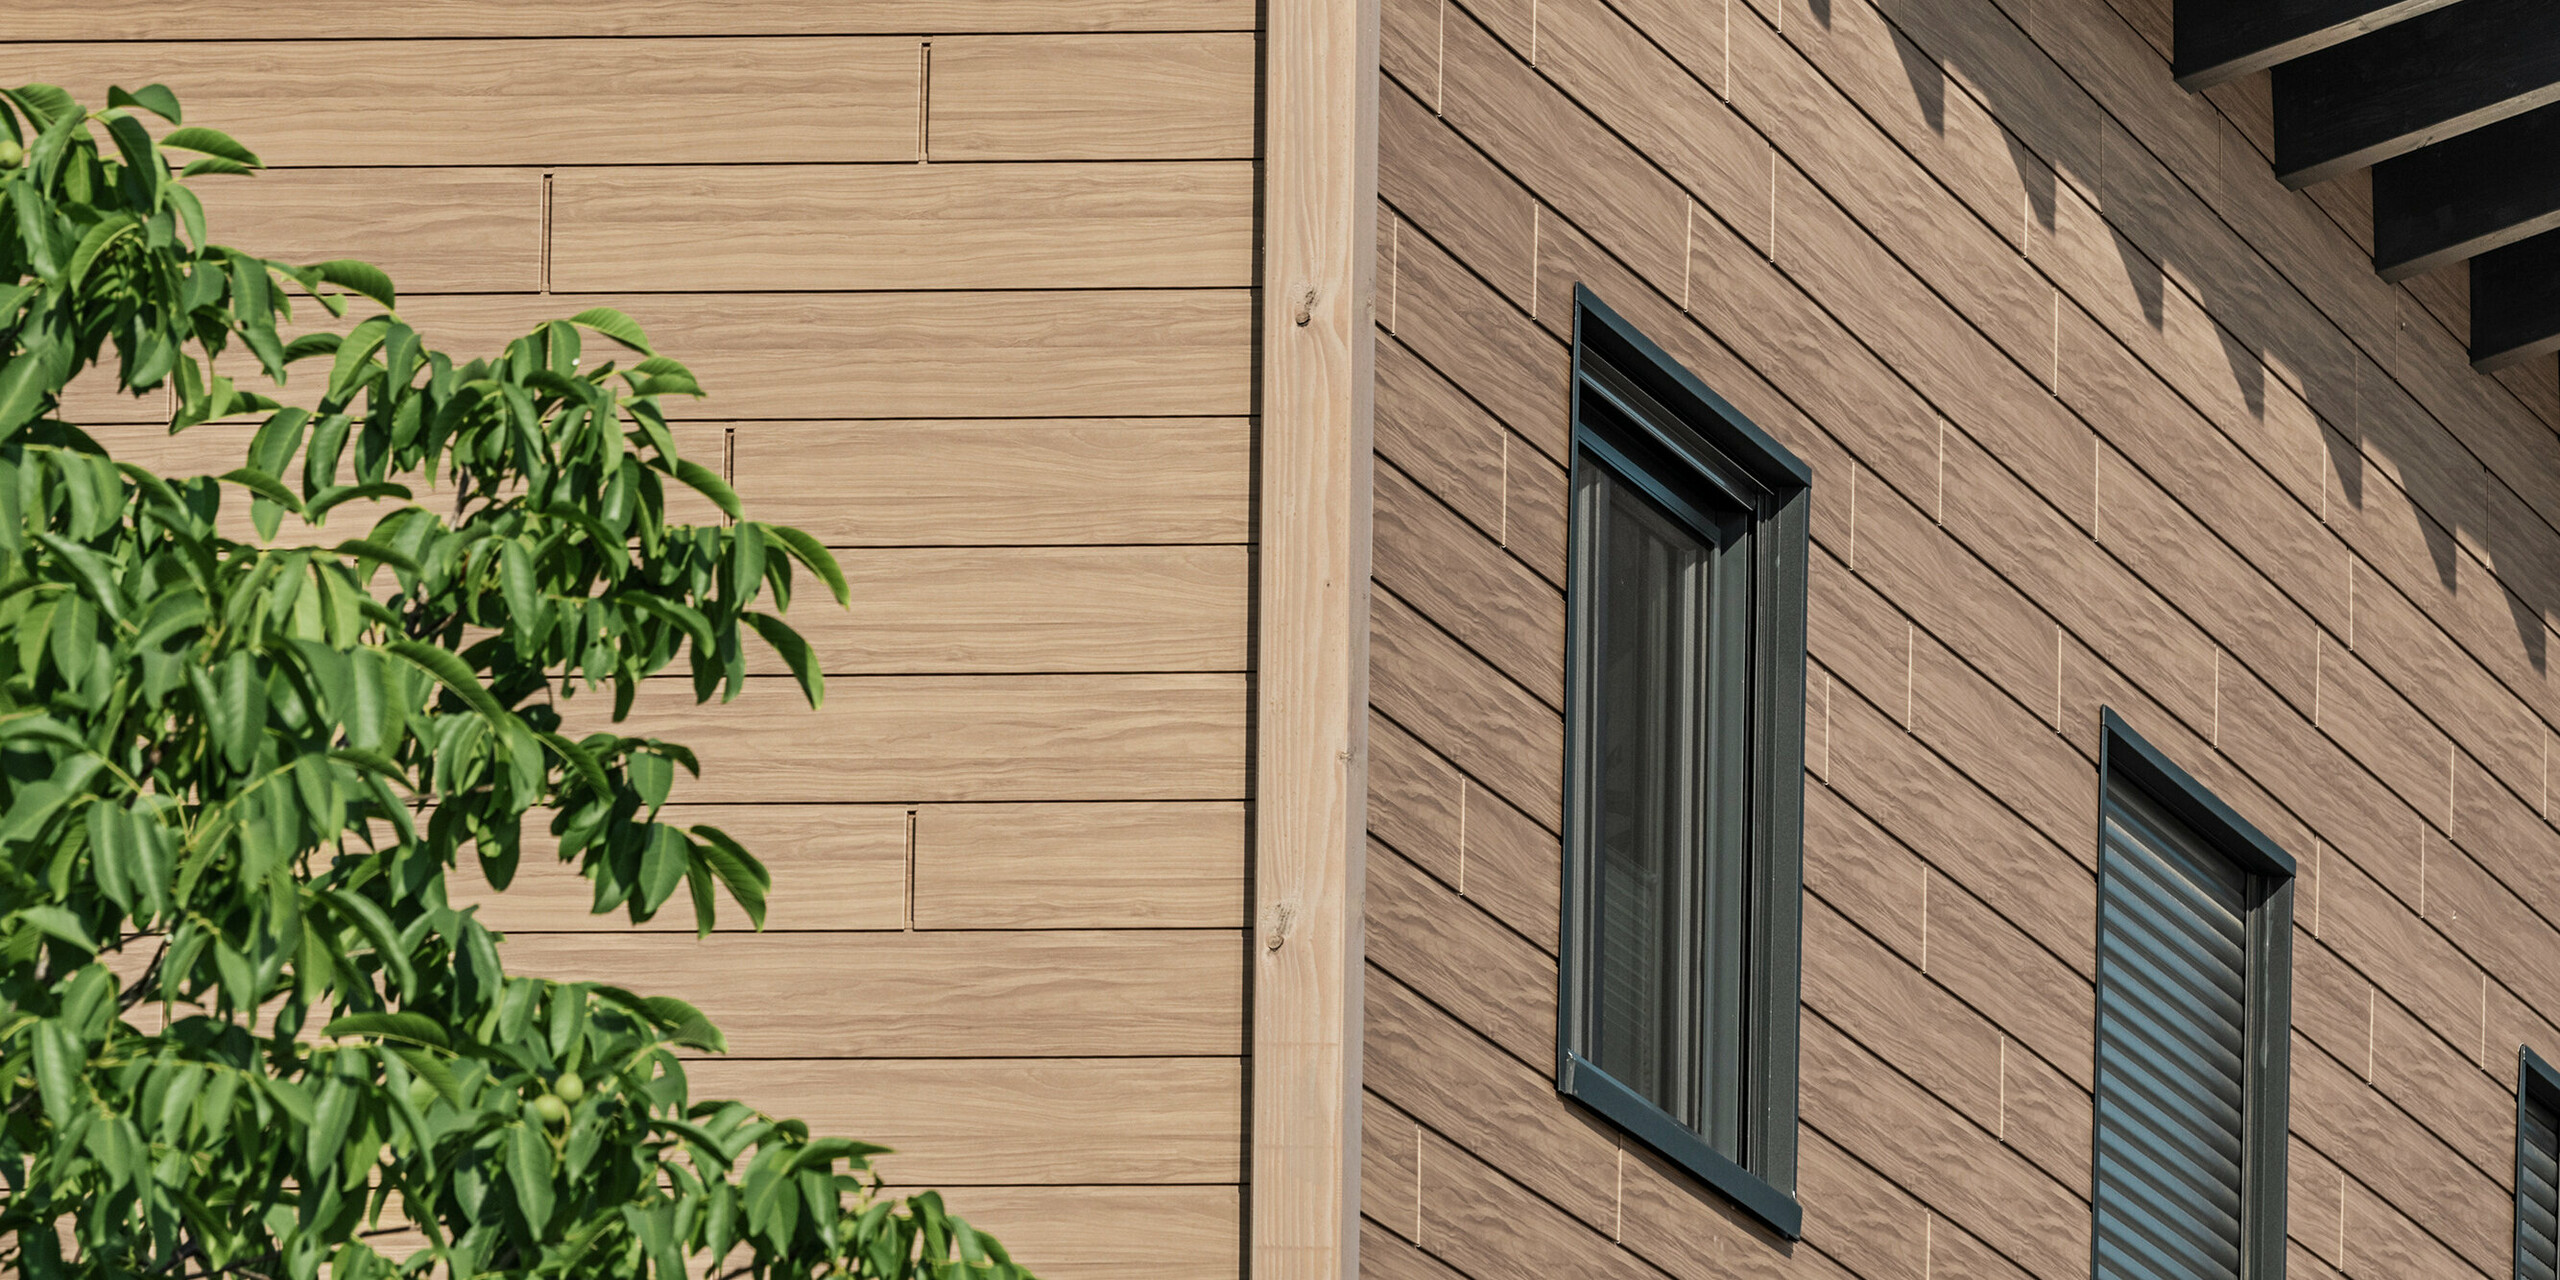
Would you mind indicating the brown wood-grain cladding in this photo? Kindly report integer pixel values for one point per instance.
(1009, 386)
(2099, 415)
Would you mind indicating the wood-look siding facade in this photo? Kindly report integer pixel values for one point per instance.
(993, 296)
(2100, 415)
(972, 288)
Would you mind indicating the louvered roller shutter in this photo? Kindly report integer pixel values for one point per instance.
(2173, 1036)
(2537, 1183)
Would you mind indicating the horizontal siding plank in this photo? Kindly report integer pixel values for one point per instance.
(906, 739)
(1062, 353)
(1003, 483)
(461, 230)
(1029, 609)
(1138, 993)
(834, 867)
(975, 1122)
(1044, 354)
(711, 100)
(1113, 1233)
(1099, 97)
(904, 226)
(1035, 866)
(222, 19)
(1090, 1232)
(902, 355)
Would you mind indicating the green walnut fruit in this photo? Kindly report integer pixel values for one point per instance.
(569, 1087)
(11, 153)
(551, 1108)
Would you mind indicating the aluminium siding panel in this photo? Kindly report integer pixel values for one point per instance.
(1973, 198)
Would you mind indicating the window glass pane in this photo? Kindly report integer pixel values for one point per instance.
(2172, 1049)
(1668, 741)
(2537, 1192)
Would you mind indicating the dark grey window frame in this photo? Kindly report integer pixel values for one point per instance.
(2126, 755)
(2536, 1082)
(1687, 438)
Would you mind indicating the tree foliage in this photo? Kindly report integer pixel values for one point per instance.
(243, 1028)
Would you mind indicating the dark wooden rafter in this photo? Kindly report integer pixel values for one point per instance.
(2222, 40)
(2412, 83)
(2515, 302)
(2468, 195)
(2455, 107)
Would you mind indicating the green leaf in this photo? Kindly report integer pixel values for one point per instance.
(330, 1117)
(529, 1168)
(37, 725)
(523, 594)
(683, 1024)
(108, 230)
(60, 923)
(59, 1060)
(417, 1028)
(615, 325)
(582, 761)
(154, 98)
(309, 345)
(367, 549)
(96, 574)
(450, 672)
(819, 560)
(359, 277)
(191, 212)
(337, 495)
(652, 776)
(133, 143)
(353, 353)
(746, 878)
(708, 484)
(23, 388)
(215, 165)
(114, 853)
(265, 486)
(369, 920)
(795, 654)
(234, 702)
(662, 867)
(212, 142)
(436, 1073)
(44, 103)
(370, 761)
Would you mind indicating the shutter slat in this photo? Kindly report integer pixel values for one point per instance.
(2172, 1051)
(2537, 1191)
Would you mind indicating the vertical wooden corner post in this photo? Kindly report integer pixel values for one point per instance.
(1320, 127)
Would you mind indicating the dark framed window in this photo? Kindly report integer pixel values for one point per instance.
(2195, 961)
(1684, 711)
(2537, 1167)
